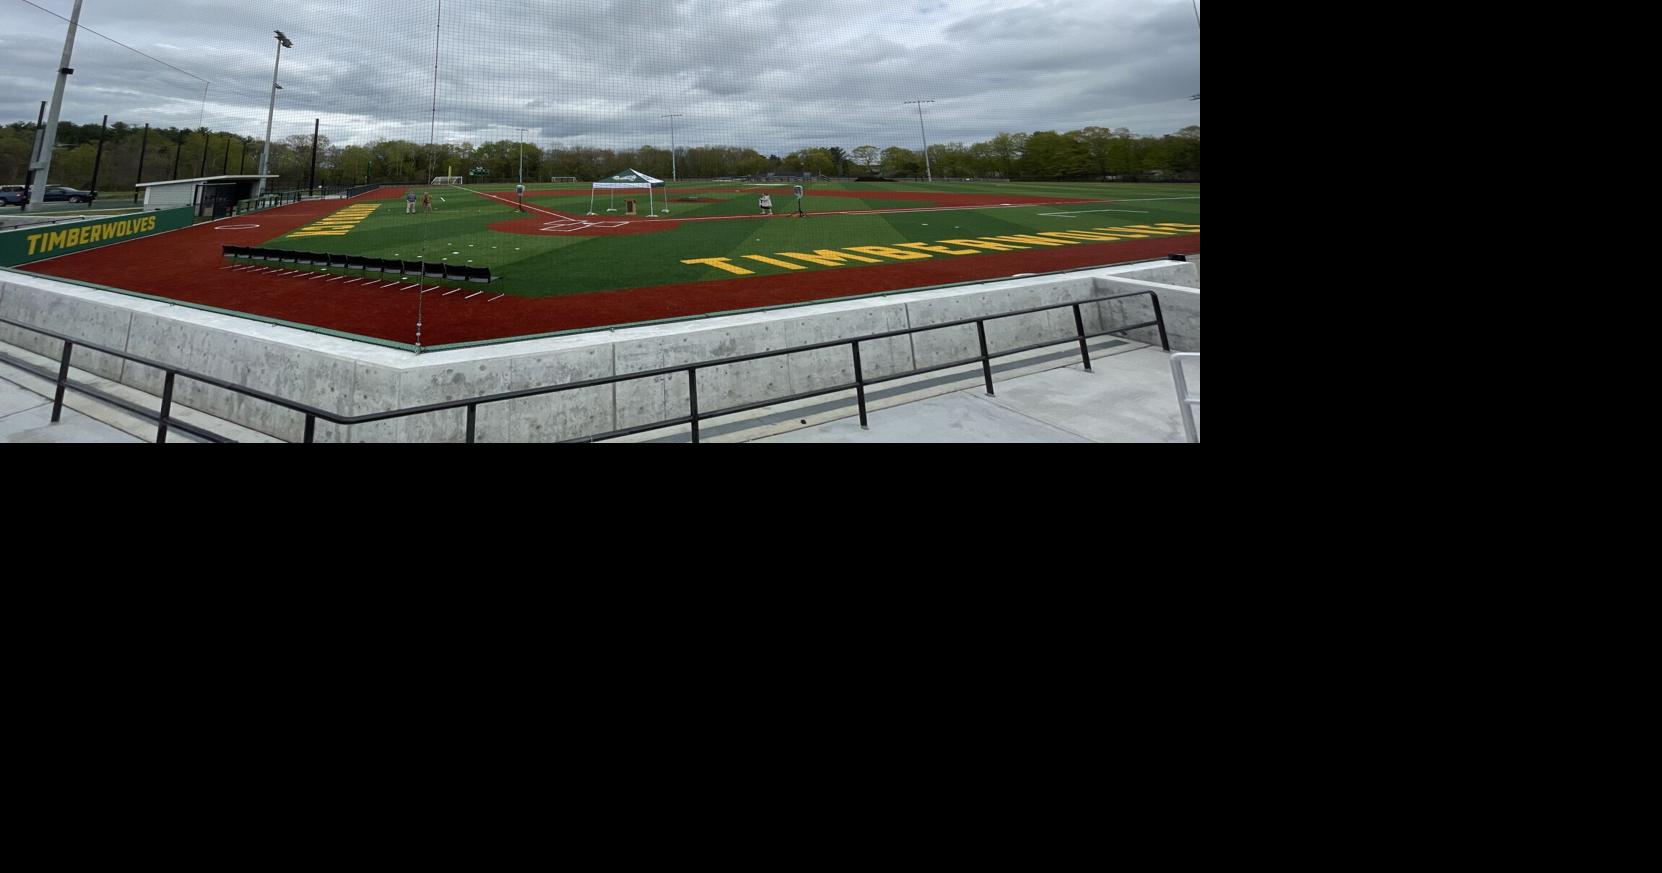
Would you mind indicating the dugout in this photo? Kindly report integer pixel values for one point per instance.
(213, 196)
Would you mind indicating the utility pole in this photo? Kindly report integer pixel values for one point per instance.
(926, 167)
(43, 160)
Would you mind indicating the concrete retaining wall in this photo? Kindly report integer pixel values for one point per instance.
(352, 378)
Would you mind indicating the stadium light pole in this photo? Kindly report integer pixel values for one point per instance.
(674, 172)
(283, 42)
(926, 168)
(42, 166)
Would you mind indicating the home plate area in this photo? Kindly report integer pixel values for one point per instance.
(574, 225)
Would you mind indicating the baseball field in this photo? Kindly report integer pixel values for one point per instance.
(568, 258)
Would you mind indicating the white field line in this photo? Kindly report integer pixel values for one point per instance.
(527, 206)
(1153, 199)
(473, 295)
(1089, 211)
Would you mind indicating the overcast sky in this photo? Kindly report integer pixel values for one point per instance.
(775, 75)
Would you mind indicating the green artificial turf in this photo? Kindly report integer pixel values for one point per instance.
(549, 264)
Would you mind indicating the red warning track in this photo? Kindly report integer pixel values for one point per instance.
(187, 266)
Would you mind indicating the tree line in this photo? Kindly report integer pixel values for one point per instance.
(173, 153)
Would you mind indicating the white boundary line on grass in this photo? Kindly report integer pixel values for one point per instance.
(1089, 211)
(527, 206)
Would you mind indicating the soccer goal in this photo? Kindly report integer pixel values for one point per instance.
(562, 178)
(447, 180)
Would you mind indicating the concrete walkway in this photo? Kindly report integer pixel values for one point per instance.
(1128, 398)
(26, 417)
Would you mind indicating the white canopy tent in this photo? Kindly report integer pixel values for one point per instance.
(627, 180)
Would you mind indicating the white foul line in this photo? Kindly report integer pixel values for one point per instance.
(527, 205)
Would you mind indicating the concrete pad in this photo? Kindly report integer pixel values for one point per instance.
(35, 426)
(1130, 398)
(15, 399)
(964, 417)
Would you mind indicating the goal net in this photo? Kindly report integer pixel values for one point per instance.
(447, 180)
(562, 179)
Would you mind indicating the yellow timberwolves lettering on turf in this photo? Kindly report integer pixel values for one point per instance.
(949, 247)
(339, 224)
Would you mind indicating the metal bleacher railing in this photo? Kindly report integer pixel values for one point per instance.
(693, 418)
(1188, 402)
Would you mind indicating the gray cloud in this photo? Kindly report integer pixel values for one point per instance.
(773, 74)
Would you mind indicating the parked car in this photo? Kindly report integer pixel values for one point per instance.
(17, 195)
(59, 192)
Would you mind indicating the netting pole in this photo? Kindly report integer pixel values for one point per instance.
(144, 147)
(311, 178)
(98, 162)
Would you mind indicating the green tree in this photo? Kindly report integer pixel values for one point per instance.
(1006, 151)
(901, 162)
(867, 157)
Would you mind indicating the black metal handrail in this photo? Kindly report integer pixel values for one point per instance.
(695, 416)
